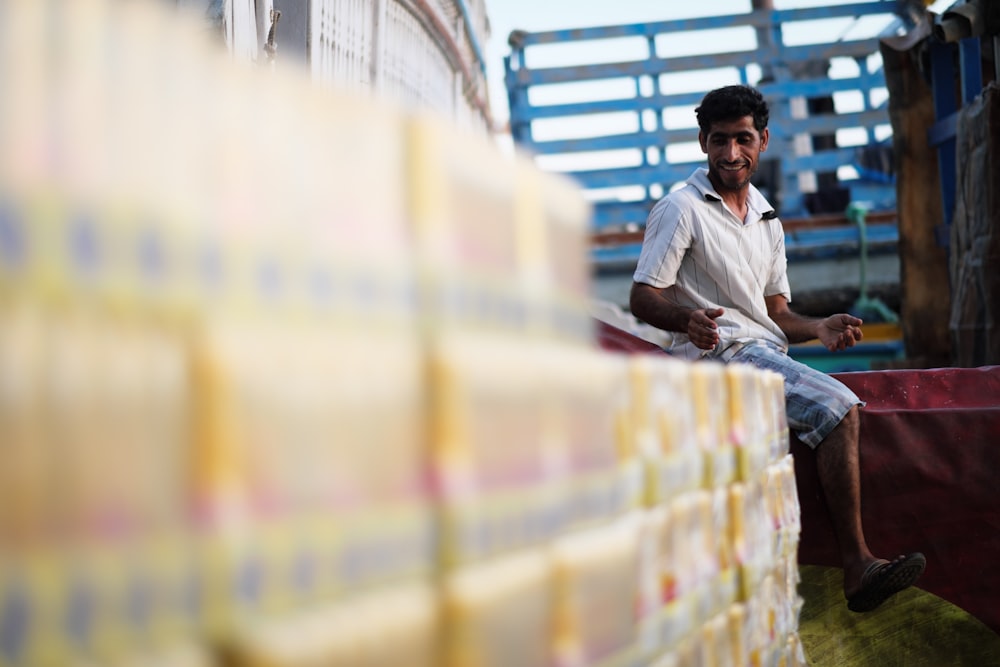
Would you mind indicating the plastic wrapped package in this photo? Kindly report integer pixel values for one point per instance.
(715, 639)
(462, 205)
(650, 597)
(705, 551)
(106, 384)
(750, 419)
(726, 583)
(382, 626)
(178, 655)
(778, 438)
(296, 462)
(738, 622)
(103, 605)
(756, 628)
(596, 578)
(751, 534)
(27, 517)
(690, 564)
(663, 427)
(783, 508)
(711, 397)
(567, 230)
(497, 613)
(675, 617)
(499, 483)
(590, 393)
(553, 231)
(28, 92)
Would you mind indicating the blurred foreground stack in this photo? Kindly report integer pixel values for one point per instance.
(290, 379)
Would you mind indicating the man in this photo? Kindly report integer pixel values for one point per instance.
(713, 269)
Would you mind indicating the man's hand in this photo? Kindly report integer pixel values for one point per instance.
(839, 332)
(702, 329)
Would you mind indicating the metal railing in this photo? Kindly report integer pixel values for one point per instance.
(805, 61)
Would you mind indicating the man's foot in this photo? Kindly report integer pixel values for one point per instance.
(882, 579)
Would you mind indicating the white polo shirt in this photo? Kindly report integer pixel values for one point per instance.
(708, 258)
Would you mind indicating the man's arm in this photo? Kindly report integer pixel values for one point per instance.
(649, 304)
(836, 332)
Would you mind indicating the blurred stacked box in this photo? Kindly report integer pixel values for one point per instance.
(526, 435)
(718, 570)
(290, 378)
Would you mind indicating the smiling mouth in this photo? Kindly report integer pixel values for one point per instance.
(732, 167)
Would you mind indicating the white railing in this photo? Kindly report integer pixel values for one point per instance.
(418, 53)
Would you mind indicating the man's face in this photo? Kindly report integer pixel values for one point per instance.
(733, 148)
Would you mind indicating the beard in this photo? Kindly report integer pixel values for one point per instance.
(725, 179)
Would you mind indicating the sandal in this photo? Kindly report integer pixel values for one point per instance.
(883, 579)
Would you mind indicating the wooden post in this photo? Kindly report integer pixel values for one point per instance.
(926, 295)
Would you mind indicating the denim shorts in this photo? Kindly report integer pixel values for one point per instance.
(815, 402)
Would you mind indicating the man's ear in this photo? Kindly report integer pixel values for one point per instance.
(701, 142)
(764, 135)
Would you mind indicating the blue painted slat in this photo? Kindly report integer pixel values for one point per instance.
(632, 68)
(841, 10)
(656, 103)
(637, 140)
(942, 130)
(656, 65)
(662, 174)
(667, 174)
(621, 217)
(757, 19)
(777, 91)
(881, 196)
(642, 140)
(802, 245)
(860, 48)
(819, 236)
(945, 105)
(830, 160)
(620, 254)
(614, 207)
(972, 68)
(828, 123)
(821, 87)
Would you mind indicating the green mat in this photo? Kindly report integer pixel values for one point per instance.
(912, 629)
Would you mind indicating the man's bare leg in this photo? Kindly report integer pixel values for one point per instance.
(837, 462)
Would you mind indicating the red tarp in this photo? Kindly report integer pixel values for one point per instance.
(930, 472)
(615, 340)
(930, 476)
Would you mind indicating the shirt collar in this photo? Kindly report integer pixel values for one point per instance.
(755, 200)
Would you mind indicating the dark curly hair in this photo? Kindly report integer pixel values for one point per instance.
(732, 103)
